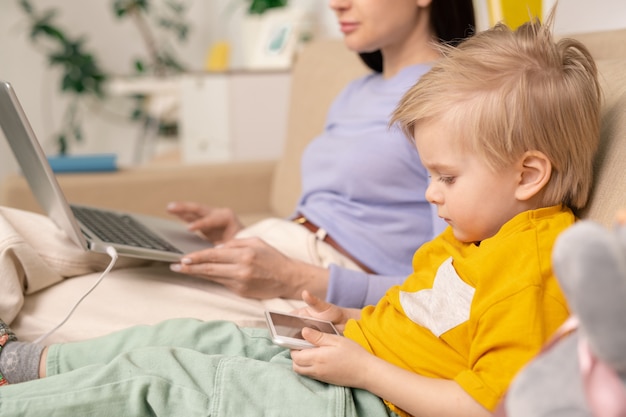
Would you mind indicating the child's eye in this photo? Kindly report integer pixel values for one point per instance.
(446, 180)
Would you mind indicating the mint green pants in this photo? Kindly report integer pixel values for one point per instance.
(181, 367)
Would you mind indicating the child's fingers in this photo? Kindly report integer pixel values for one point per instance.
(314, 302)
(311, 335)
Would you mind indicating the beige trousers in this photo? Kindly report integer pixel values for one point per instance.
(42, 275)
(297, 242)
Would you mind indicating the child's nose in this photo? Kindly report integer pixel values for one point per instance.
(433, 195)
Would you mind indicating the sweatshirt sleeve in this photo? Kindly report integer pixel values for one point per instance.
(356, 289)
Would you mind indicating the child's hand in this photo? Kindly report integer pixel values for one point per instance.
(318, 308)
(335, 360)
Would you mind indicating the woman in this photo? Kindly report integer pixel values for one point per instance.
(362, 212)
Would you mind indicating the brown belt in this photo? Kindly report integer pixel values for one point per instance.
(300, 219)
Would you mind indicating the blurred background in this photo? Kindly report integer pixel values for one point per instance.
(161, 61)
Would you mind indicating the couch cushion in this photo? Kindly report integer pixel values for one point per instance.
(609, 190)
(321, 71)
(609, 44)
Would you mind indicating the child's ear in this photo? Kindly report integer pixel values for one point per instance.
(535, 172)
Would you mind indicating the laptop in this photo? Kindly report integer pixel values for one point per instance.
(132, 235)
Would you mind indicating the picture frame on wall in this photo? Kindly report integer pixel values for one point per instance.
(277, 37)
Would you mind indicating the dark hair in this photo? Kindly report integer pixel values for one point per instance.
(452, 20)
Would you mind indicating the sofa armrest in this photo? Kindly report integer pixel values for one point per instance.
(243, 186)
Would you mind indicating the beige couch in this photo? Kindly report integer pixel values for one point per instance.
(257, 189)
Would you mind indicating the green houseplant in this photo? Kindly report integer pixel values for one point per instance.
(82, 77)
(260, 6)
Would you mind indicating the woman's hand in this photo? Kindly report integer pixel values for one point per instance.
(252, 268)
(218, 225)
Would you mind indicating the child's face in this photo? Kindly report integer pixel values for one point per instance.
(470, 196)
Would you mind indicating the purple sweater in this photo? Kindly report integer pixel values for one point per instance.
(364, 184)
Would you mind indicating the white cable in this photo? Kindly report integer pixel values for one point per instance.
(113, 254)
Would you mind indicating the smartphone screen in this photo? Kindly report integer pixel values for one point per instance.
(286, 329)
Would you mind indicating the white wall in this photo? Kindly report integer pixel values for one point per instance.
(117, 41)
(578, 16)
(108, 128)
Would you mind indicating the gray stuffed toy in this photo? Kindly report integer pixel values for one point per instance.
(582, 373)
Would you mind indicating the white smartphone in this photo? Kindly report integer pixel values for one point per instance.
(286, 329)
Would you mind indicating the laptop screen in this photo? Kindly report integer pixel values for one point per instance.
(34, 164)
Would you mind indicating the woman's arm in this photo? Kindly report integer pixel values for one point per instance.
(252, 268)
(356, 289)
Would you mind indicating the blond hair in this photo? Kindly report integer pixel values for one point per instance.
(507, 92)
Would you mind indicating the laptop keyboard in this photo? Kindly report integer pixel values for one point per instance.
(120, 228)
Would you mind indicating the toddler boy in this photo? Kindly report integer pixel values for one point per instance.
(507, 125)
